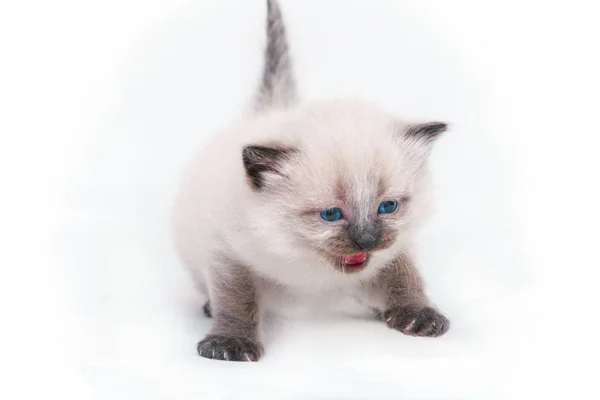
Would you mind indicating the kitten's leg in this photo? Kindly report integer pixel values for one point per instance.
(399, 295)
(234, 332)
(207, 310)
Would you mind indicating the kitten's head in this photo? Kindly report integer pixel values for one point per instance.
(346, 183)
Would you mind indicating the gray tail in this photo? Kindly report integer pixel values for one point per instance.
(278, 87)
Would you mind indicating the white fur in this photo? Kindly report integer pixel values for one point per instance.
(217, 211)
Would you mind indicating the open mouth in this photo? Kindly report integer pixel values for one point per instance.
(354, 261)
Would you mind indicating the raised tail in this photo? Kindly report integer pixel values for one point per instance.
(278, 87)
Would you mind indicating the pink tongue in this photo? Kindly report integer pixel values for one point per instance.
(355, 259)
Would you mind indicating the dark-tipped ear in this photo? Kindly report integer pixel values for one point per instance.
(426, 132)
(261, 162)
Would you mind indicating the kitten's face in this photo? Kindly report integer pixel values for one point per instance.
(347, 226)
(351, 206)
(343, 198)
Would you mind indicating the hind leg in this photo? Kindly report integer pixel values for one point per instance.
(207, 310)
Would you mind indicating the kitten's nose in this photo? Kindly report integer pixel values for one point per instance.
(365, 243)
(365, 238)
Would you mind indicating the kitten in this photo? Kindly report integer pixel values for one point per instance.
(307, 201)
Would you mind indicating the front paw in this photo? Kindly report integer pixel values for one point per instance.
(230, 349)
(425, 321)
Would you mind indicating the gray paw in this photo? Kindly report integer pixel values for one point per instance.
(426, 321)
(229, 349)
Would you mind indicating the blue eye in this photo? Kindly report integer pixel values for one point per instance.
(388, 207)
(332, 214)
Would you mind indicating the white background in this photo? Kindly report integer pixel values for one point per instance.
(102, 103)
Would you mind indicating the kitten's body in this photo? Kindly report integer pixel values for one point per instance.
(247, 223)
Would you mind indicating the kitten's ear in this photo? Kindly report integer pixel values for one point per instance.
(426, 132)
(263, 163)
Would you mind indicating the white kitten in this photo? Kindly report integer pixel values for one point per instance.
(305, 202)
